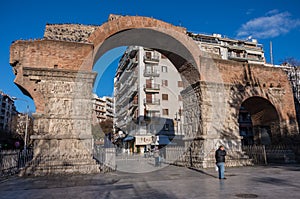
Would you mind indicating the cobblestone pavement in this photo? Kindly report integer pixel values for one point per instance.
(168, 182)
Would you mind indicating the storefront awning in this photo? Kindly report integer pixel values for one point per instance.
(128, 138)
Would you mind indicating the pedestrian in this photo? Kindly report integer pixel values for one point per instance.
(220, 161)
(156, 156)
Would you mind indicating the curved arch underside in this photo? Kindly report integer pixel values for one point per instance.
(261, 110)
(174, 50)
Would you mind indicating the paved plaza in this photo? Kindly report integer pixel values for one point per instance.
(273, 181)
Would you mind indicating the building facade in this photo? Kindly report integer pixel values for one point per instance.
(8, 112)
(249, 51)
(103, 108)
(147, 99)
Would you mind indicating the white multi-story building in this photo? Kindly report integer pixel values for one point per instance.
(103, 108)
(249, 51)
(148, 104)
(7, 112)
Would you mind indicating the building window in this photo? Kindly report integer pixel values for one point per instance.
(165, 111)
(165, 97)
(148, 55)
(149, 69)
(164, 69)
(180, 84)
(164, 82)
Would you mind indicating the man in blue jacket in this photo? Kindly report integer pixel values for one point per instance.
(220, 161)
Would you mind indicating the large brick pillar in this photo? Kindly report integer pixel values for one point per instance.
(63, 139)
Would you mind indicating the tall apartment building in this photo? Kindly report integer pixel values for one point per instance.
(8, 111)
(103, 108)
(148, 104)
(249, 51)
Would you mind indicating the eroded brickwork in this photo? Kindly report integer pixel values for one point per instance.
(69, 32)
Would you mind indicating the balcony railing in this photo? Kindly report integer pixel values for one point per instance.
(151, 73)
(152, 101)
(244, 57)
(152, 58)
(151, 87)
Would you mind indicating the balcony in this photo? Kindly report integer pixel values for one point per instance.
(152, 101)
(154, 58)
(151, 88)
(244, 57)
(151, 73)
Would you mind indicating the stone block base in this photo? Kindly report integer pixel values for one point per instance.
(56, 167)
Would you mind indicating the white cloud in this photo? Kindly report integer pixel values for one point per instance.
(271, 25)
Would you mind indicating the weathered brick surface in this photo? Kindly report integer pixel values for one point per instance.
(69, 32)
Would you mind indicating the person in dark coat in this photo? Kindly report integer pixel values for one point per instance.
(220, 161)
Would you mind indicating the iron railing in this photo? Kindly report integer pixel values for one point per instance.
(11, 161)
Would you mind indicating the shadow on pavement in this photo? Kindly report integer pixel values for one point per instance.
(203, 172)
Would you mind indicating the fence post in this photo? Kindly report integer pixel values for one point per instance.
(265, 155)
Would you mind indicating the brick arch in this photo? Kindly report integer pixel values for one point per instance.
(243, 81)
(264, 118)
(168, 39)
(261, 109)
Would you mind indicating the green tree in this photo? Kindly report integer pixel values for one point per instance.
(101, 129)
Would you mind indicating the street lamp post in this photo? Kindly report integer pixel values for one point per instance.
(26, 129)
(26, 123)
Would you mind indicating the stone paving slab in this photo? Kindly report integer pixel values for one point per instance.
(281, 181)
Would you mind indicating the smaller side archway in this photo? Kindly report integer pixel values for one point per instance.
(259, 122)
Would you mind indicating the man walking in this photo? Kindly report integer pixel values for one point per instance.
(220, 161)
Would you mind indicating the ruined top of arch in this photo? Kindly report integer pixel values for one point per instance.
(82, 33)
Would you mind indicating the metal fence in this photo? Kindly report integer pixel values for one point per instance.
(282, 153)
(179, 155)
(11, 161)
(257, 153)
(106, 157)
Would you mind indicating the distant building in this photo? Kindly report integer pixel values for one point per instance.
(109, 107)
(148, 103)
(8, 111)
(103, 108)
(230, 49)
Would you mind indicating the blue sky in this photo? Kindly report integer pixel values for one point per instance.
(269, 20)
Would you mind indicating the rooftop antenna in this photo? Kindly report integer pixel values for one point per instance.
(271, 52)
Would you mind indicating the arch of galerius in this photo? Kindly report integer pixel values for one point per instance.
(56, 72)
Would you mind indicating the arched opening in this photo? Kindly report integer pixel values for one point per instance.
(171, 48)
(148, 104)
(154, 123)
(258, 121)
